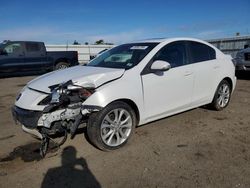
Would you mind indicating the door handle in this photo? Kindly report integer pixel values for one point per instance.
(216, 67)
(187, 73)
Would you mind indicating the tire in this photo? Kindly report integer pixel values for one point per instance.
(61, 65)
(109, 132)
(222, 96)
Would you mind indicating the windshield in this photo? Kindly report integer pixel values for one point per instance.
(124, 56)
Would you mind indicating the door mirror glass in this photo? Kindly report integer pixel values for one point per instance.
(160, 65)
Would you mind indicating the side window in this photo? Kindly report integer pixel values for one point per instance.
(174, 53)
(32, 47)
(201, 52)
(14, 48)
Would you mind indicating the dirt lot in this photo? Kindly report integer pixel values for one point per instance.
(198, 148)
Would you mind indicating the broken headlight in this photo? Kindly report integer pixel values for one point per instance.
(68, 93)
(45, 101)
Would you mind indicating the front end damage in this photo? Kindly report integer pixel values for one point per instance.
(63, 113)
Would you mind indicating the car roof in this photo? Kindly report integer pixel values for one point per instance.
(160, 40)
(163, 41)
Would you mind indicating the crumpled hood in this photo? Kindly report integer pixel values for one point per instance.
(80, 75)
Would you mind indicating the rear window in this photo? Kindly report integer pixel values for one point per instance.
(32, 47)
(201, 52)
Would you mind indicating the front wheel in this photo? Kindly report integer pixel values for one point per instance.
(61, 65)
(222, 96)
(112, 127)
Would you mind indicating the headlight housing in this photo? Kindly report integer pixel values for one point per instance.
(20, 93)
(45, 101)
(67, 92)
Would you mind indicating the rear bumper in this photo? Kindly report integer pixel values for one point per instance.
(234, 83)
(28, 118)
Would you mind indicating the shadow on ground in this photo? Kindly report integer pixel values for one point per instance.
(73, 172)
(29, 152)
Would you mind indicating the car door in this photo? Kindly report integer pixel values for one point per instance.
(12, 58)
(206, 69)
(168, 92)
(35, 56)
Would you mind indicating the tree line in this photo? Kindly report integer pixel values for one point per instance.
(98, 42)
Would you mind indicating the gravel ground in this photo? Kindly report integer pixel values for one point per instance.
(198, 148)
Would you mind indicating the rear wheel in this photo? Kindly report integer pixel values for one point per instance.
(222, 96)
(61, 65)
(112, 127)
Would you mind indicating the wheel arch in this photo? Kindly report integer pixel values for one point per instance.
(132, 104)
(229, 80)
(214, 105)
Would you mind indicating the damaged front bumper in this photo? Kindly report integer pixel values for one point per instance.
(42, 124)
(34, 119)
(28, 118)
(31, 120)
(62, 111)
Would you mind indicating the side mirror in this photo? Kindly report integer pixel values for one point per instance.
(160, 65)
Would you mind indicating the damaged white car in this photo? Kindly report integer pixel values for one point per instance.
(126, 86)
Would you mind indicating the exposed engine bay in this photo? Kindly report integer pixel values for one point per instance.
(63, 113)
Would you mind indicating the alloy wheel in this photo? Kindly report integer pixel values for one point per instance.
(116, 127)
(223, 95)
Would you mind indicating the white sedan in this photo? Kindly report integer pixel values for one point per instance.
(126, 86)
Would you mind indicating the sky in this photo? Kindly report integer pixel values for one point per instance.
(63, 21)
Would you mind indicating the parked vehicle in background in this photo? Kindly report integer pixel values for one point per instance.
(18, 57)
(126, 86)
(99, 53)
(243, 60)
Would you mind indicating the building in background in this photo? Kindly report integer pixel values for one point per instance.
(231, 45)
